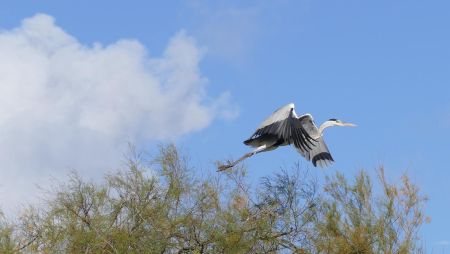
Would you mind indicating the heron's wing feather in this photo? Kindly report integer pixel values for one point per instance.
(277, 116)
(284, 124)
(319, 154)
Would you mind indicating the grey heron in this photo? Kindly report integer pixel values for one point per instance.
(283, 128)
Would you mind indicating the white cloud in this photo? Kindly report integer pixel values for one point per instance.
(67, 105)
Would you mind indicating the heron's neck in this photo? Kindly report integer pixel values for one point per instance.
(325, 125)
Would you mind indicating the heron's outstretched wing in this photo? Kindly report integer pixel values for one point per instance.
(319, 154)
(284, 124)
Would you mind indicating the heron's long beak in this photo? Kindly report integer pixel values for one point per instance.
(348, 124)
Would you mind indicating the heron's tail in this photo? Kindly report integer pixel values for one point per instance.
(248, 141)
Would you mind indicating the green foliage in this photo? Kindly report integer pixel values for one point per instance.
(354, 220)
(7, 240)
(161, 206)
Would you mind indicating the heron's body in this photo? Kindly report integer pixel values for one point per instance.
(269, 140)
(283, 128)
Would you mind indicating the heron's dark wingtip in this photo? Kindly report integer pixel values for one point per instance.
(325, 156)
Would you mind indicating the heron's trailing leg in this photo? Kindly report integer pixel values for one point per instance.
(247, 155)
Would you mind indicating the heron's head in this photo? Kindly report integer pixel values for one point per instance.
(338, 122)
(333, 122)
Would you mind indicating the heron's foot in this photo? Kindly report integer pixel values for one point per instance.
(224, 167)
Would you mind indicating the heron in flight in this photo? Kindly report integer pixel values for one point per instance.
(283, 128)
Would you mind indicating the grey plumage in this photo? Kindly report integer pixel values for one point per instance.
(284, 127)
(319, 154)
(284, 124)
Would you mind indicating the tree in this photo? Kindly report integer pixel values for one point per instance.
(162, 206)
(354, 220)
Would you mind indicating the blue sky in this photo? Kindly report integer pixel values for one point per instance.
(381, 64)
